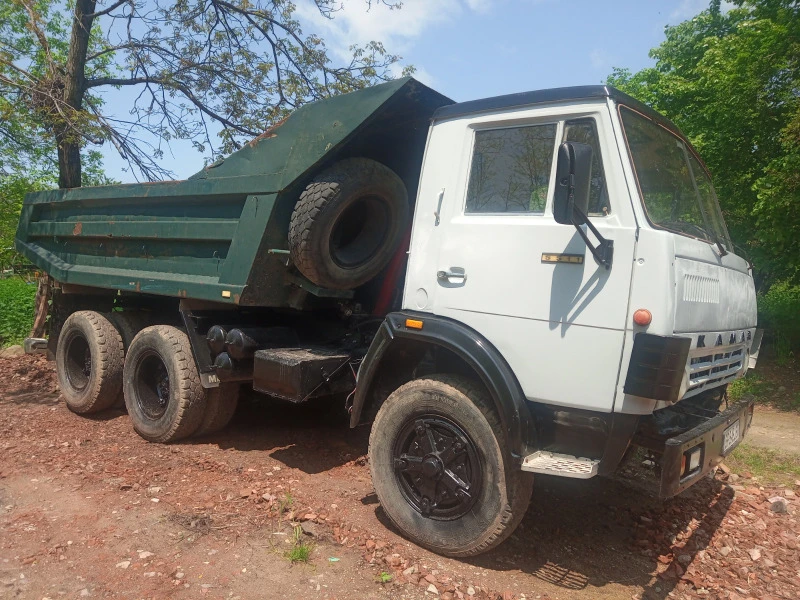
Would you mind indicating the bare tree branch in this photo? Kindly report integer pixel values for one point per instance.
(110, 9)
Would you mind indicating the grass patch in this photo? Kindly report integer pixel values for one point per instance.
(772, 467)
(300, 551)
(16, 310)
(768, 387)
(384, 577)
(752, 384)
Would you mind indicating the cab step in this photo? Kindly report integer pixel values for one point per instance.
(562, 465)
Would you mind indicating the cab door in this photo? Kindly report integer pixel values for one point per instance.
(497, 261)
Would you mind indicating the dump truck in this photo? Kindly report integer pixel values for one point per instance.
(536, 283)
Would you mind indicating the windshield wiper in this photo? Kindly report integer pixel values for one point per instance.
(701, 230)
(722, 251)
(683, 225)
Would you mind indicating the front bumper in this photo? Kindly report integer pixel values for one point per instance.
(708, 438)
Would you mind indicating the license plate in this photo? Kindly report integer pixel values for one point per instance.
(730, 436)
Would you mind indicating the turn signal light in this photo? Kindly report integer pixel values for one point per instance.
(691, 460)
(413, 324)
(642, 317)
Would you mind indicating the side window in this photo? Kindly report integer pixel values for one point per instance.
(510, 170)
(585, 131)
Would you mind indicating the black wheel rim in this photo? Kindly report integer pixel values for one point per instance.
(78, 365)
(151, 382)
(437, 467)
(359, 232)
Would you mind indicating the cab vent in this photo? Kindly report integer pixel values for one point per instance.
(697, 288)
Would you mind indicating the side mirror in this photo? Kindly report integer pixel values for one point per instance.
(571, 198)
(573, 179)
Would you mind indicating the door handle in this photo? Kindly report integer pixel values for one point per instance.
(452, 273)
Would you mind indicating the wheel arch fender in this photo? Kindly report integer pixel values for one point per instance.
(468, 345)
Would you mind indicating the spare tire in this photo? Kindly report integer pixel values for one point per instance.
(348, 223)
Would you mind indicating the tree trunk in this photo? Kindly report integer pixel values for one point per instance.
(43, 294)
(68, 140)
(69, 161)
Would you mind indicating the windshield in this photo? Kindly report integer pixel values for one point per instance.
(676, 189)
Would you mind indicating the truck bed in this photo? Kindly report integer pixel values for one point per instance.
(221, 235)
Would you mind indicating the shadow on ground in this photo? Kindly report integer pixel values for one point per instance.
(313, 437)
(581, 534)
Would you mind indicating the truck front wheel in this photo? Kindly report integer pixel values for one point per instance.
(440, 470)
(163, 393)
(89, 360)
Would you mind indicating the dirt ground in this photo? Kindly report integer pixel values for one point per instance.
(89, 509)
(775, 429)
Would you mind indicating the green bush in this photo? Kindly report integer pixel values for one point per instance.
(779, 315)
(12, 191)
(16, 310)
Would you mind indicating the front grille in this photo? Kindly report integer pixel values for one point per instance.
(710, 367)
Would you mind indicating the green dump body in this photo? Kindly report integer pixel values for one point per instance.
(221, 235)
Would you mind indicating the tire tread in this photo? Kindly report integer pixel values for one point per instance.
(221, 403)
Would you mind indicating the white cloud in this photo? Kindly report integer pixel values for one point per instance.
(396, 29)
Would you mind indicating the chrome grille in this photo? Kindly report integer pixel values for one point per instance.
(710, 367)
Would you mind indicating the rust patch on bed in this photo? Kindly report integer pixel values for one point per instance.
(269, 133)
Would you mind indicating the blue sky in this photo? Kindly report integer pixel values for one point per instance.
(470, 49)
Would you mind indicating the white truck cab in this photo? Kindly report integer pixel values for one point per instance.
(571, 241)
(487, 251)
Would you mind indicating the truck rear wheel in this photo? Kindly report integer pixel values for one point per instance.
(128, 324)
(221, 403)
(89, 359)
(163, 394)
(440, 470)
(348, 223)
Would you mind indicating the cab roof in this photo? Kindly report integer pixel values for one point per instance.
(548, 96)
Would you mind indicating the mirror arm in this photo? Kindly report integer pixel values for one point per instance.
(604, 251)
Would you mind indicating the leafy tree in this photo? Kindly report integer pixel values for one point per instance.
(216, 72)
(730, 81)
